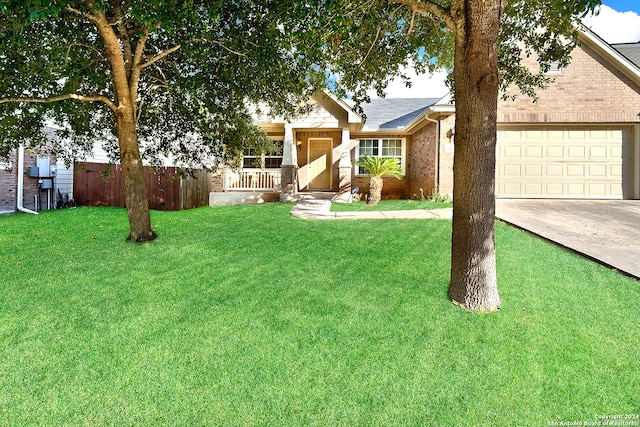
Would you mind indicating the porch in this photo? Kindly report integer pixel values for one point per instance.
(252, 180)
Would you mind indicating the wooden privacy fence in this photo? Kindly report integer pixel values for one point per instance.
(97, 184)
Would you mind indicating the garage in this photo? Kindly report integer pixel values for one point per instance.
(565, 162)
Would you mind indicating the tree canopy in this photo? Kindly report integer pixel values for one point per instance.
(194, 66)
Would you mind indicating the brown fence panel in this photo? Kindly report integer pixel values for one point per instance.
(163, 189)
(195, 190)
(96, 184)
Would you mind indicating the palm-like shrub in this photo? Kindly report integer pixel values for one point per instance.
(376, 168)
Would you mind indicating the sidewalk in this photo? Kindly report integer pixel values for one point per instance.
(321, 209)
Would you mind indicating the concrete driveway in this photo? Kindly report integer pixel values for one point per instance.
(605, 230)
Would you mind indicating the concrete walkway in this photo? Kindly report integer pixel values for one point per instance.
(607, 231)
(310, 208)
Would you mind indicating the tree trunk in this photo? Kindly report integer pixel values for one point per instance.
(375, 190)
(473, 282)
(133, 182)
(125, 72)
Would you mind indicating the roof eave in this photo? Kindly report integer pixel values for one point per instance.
(352, 116)
(428, 115)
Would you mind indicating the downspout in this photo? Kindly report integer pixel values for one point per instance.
(437, 159)
(21, 182)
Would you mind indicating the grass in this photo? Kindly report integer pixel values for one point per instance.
(246, 316)
(388, 205)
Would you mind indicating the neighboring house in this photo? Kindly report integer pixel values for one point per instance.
(38, 189)
(581, 139)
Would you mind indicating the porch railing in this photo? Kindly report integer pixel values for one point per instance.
(252, 180)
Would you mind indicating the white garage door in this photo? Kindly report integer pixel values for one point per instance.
(562, 162)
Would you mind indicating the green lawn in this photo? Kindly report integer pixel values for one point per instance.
(244, 315)
(388, 205)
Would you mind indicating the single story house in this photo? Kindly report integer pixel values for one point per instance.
(581, 139)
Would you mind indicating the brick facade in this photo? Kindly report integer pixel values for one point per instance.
(589, 90)
(9, 184)
(421, 156)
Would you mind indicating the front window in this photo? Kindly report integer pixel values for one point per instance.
(272, 160)
(386, 147)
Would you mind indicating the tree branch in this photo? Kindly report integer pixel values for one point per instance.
(89, 16)
(160, 56)
(424, 7)
(123, 35)
(73, 96)
(370, 47)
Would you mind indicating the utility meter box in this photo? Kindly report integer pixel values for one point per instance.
(44, 163)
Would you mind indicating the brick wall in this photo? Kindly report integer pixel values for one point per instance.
(589, 90)
(9, 184)
(422, 161)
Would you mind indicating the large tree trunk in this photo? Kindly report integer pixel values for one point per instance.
(125, 72)
(133, 182)
(473, 282)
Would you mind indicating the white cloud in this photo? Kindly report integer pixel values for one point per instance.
(614, 26)
(422, 86)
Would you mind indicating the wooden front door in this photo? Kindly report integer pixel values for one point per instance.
(320, 164)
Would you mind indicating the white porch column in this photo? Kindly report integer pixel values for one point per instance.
(289, 165)
(289, 154)
(345, 164)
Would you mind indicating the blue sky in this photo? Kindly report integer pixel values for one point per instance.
(624, 5)
(617, 22)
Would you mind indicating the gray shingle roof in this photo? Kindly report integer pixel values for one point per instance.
(631, 51)
(394, 113)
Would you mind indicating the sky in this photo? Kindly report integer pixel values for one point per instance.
(618, 21)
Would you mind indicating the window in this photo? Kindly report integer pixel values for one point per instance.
(554, 68)
(388, 147)
(271, 160)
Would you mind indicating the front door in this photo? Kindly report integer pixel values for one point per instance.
(320, 164)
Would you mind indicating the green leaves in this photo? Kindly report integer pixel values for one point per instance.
(381, 166)
(191, 104)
